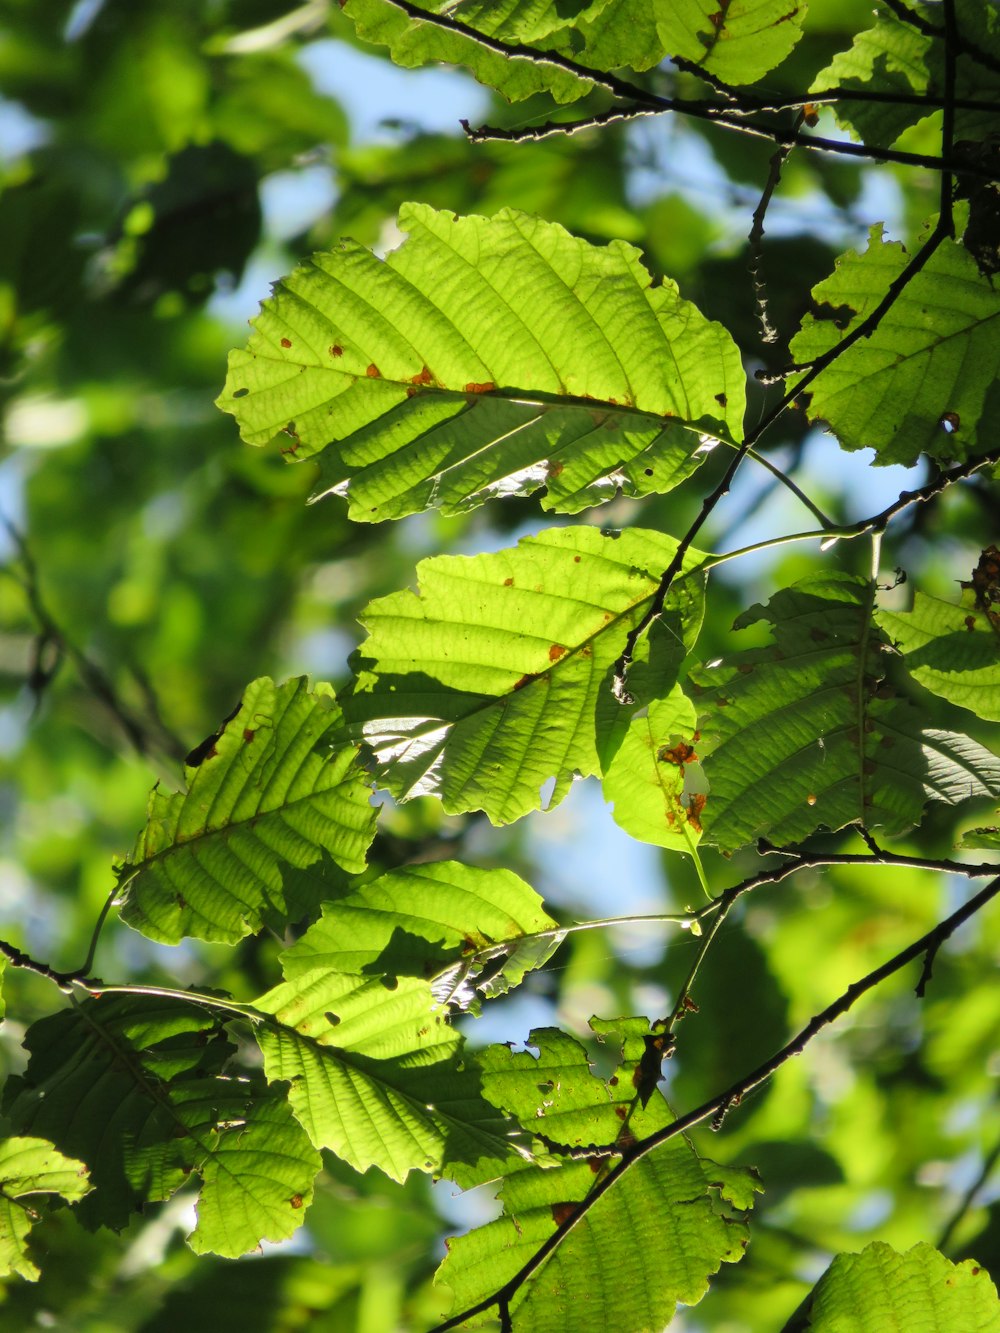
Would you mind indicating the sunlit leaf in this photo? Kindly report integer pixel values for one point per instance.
(803, 735)
(651, 773)
(737, 41)
(133, 1086)
(375, 1075)
(485, 356)
(654, 1239)
(31, 1167)
(458, 926)
(483, 685)
(920, 1291)
(896, 57)
(926, 380)
(953, 650)
(413, 43)
(266, 791)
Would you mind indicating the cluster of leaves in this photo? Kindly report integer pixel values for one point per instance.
(500, 356)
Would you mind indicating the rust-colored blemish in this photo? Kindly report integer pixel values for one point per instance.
(336, 350)
(424, 377)
(248, 734)
(695, 806)
(286, 342)
(508, 583)
(556, 651)
(486, 387)
(373, 372)
(296, 1200)
(561, 1212)
(679, 754)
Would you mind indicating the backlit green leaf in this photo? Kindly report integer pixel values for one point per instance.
(651, 773)
(412, 43)
(654, 1239)
(920, 1291)
(802, 735)
(954, 651)
(485, 356)
(484, 684)
(926, 380)
(896, 57)
(737, 41)
(462, 928)
(267, 791)
(30, 1167)
(376, 1077)
(133, 1086)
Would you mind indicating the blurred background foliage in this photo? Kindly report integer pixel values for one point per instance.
(159, 166)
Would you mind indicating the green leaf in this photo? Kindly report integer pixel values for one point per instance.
(986, 838)
(413, 43)
(28, 1167)
(895, 57)
(925, 381)
(133, 1086)
(652, 1240)
(267, 791)
(951, 650)
(257, 1183)
(466, 930)
(737, 41)
(920, 1291)
(485, 356)
(652, 775)
(484, 684)
(802, 735)
(375, 1076)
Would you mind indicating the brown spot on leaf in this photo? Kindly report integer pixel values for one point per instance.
(576, 560)
(970, 623)
(679, 754)
(647, 471)
(286, 342)
(695, 806)
(556, 651)
(425, 377)
(525, 680)
(486, 387)
(248, 734)
(336, 350)
(508, 583)
(561, 1212)
(373, 372)
(620, 1112)
(721, 399)
(296, 1201)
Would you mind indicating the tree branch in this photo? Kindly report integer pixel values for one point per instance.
(719, 1105)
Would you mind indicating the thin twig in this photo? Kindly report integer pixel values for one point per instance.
(769, 334)
(718, 1106)
(951, 43)
(92, 676)
(965, 1203)
(653, 105)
